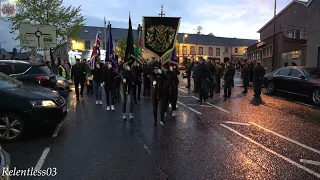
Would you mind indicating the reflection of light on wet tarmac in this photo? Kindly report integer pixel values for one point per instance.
(184, 116)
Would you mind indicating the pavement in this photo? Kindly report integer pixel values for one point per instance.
(236, 138)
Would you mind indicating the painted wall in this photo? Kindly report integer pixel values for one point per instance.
(313, 43)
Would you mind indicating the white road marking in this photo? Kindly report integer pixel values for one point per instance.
(213, 105)
(42, 158)
(316, 163)
(146, 148)
(183, 90)
(288, 139)
(237, 123)
(56, 131)
(189, 108)
(273, 152)
(186, 96)
(199, 105)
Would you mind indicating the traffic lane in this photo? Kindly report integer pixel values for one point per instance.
(242, 109)
(268, 159)
(101, 147)
(187, 148)
(290, 149)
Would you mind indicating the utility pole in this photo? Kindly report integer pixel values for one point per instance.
(1, 49)
(274, 36)
(162, 14)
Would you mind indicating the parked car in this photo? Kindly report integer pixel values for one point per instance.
(4, 164)
(181, 67)
(63, 86)
(298, 80)
(28, 72)
(24, 107)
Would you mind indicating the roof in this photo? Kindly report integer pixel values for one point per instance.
(89, 32)
(282, 11)
(309, 2)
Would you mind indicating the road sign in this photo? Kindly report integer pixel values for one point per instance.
(36, 35)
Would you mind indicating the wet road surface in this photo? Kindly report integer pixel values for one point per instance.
(235, 138)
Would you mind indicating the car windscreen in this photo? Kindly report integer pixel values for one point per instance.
(8, 82)
(42, 69)
(312, 72)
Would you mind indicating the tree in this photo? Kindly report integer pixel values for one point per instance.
(68, 20)
(121, 47)
(199, 29)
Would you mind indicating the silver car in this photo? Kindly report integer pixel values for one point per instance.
(63, 86)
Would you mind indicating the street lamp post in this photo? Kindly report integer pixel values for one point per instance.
(184, 37)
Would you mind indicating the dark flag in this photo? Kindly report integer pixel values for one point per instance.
(159, 35)
(129, 54)
(110, 53)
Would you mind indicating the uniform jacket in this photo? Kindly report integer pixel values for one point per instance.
(160, 88)
(78, 72)
(258, 73)
(109, 76)
(229, 74)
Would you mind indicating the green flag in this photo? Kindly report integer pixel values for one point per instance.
(139, 47)
(129, 55)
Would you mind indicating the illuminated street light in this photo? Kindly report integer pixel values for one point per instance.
(185, 35)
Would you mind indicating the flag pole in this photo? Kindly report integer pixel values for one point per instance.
(105, 35)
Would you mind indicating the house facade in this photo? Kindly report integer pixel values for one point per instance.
(313, 44)
(287, 43)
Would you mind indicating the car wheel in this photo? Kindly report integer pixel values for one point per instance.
(270, 88)
(11, 127)
(316, 97)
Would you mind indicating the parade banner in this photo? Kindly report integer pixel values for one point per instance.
(159, 36)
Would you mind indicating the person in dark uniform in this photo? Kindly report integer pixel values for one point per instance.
(109, 82)
(189, 72)
(158, 96)
(127, 85)
(294, 64)
(228, 78)
(137, 71)
(202, 78)
(172, 86)
(78, 75)
(147, 69)
(218, 73)
(286, 64)
(258, 74)
(251, 67)
(245, 77)
(212, 70)
(118, 82)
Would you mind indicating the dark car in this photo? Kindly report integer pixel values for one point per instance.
(298, 80)
(28, 72)
(24, 107)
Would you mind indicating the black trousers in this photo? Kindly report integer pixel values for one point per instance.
(162, 102)
(218, 83)
(257, 88)
(146, 87)
(173, 98)
(228, 88)
(211, 87)
(110, 94)
(137, 89)
(195, 88)
(76, 86)
(245, 84)
(202, 87)
(188, 80)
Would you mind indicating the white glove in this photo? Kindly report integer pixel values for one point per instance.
(154, 83)
(159, 71)
(170, 68)
(102, 84)
(124, 80)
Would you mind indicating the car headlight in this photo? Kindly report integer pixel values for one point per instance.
(43, 103)
(60, 82)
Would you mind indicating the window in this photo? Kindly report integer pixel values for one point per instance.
(295, 73)
(20, 68)
(217, 51)
(6, 69)
(236, 50)
(8, 82)
(87, 45)
(226, 49)
(184, 50)
(284, 72)
(210, 51)
(267, 52)
(192, 50)
(200, 50)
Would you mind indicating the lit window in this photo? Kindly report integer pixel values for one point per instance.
(200, 50)
(192, 50)
(184, 50)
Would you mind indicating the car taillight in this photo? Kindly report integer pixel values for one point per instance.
(42, 78)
